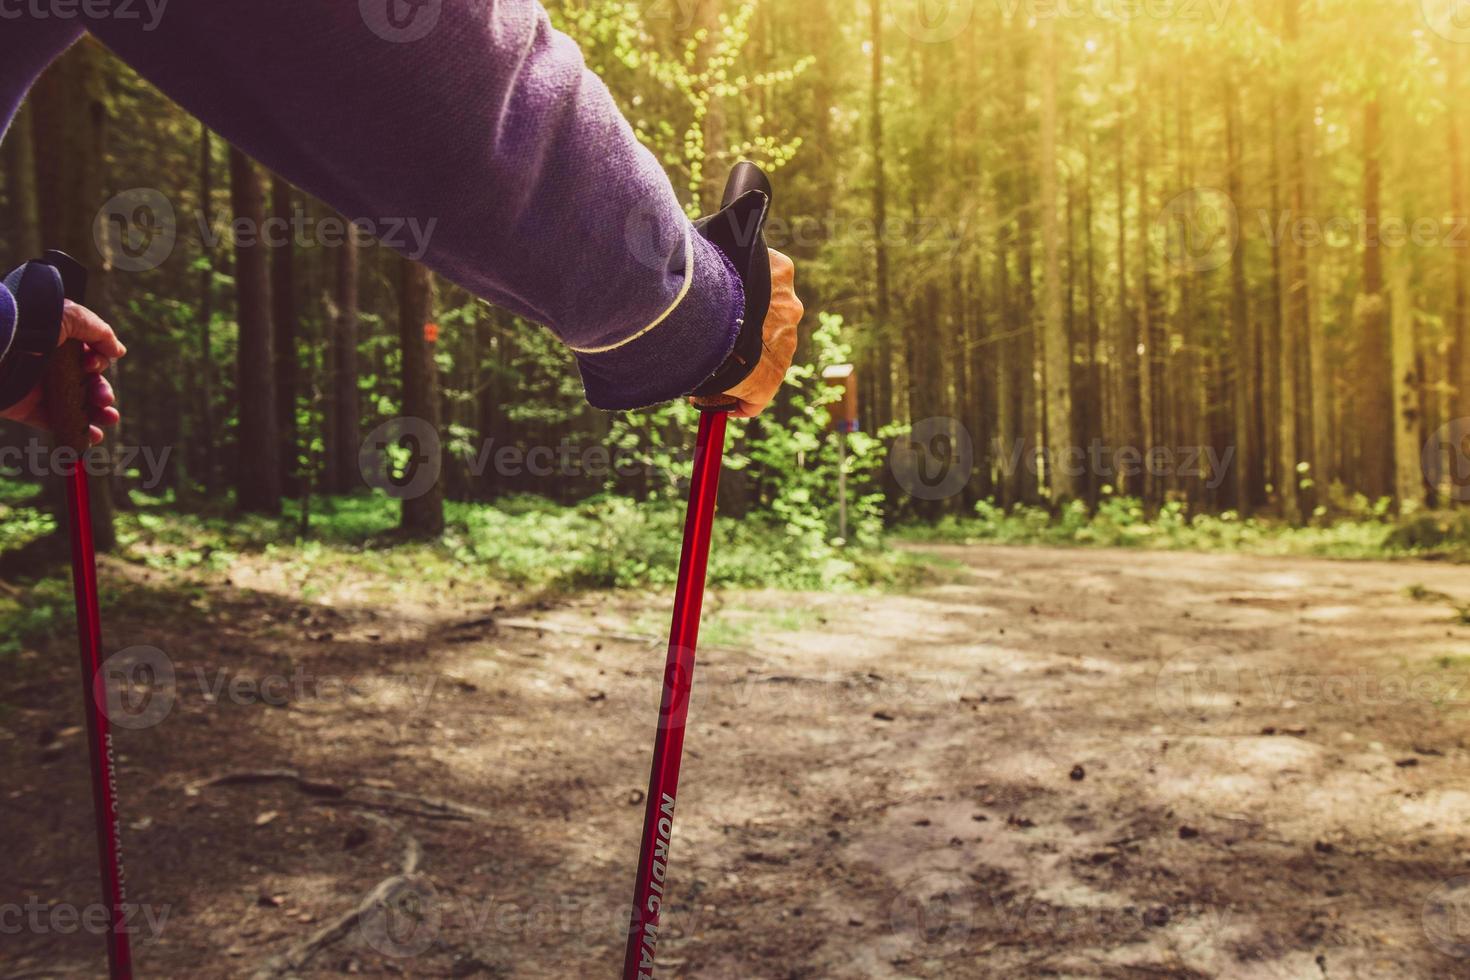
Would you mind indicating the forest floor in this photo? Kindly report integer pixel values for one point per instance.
(1054, 763)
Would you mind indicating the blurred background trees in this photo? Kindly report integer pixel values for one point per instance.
(1137, 227)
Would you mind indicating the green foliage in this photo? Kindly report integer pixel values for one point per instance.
(670, 91)
(23, 518)
(791, 460)
(796, 460)
(44, 608)
(606, 541)
(1124, 522)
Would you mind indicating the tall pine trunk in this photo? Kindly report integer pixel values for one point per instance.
(1372, 375)
(23, 229)
(1294, 286)
(423, 514)
(208, 436)
(882, 309)
(1407, 433)
(1125, 345)
(257, 473)
(1459, 361)
(1243, 353)
(283, 321)
(346, 408)
(1056, 347)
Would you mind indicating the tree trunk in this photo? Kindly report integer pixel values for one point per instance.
(1027, 342)
(1145, 348)
(1294, 286)
(1373, 377)
(1056, 349)
(1459, 360)
(1408, 474)
(283, 320)
(1125, 416)
(346, 413)
(882, 310)
(257, 470)
(1243, 354)
(423, 514)
(1094, 414)
(24, 233)
(207, 372)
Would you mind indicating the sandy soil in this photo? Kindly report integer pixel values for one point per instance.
(1057, 764)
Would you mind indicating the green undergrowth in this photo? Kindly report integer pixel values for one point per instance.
(603, 542)
(1124, 522)
(524, 544)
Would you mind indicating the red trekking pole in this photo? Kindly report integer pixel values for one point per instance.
(737, 229)
(65, 395)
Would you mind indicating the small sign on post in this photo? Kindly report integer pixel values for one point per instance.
(844, 413)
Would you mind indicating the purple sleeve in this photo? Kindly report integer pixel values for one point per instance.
(470, 135)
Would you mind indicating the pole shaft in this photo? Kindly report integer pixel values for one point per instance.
(649, 891)
(99, 731)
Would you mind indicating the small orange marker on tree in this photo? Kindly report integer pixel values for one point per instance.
(431, 333)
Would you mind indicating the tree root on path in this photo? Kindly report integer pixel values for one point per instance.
(332, 794)
(561, 629)
(374, 906)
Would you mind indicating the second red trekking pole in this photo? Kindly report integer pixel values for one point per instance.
(737, 230)
(49, 280)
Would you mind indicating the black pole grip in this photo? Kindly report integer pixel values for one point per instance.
(740, 232)
(744, 178)
(63, 385)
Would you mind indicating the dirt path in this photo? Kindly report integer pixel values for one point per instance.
(1059, 764)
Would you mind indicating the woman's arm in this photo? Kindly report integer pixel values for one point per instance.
(471, 132)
